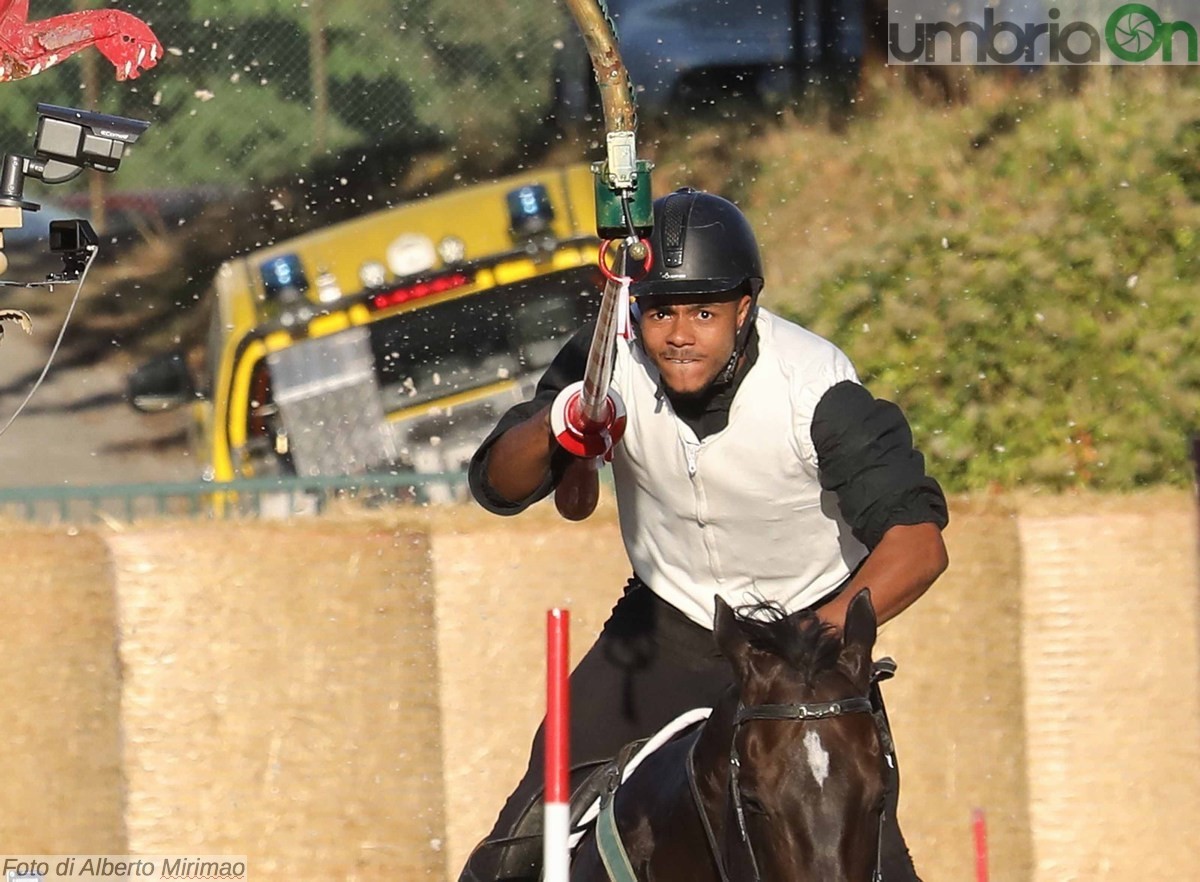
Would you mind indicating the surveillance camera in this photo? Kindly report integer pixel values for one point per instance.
(69, 140)
(74, 241)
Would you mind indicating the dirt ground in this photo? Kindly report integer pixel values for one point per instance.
(77, 428)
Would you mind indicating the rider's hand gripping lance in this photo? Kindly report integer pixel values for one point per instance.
(588, 418)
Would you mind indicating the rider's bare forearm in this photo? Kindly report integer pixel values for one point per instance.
(898, 571)
(520, 459)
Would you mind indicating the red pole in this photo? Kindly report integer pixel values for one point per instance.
(1196, 461)
(1196, 458)
(979, 823)
(555, 852)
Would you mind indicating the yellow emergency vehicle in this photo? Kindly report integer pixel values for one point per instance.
(392, 341)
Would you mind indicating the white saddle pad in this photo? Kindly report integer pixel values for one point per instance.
(661, 737)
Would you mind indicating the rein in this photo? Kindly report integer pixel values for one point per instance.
(798, 712)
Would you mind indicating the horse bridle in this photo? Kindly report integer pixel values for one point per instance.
(798, 712)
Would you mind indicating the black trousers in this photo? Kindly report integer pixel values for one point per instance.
(649, 665)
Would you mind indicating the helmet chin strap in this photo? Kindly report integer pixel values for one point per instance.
(739, 347)
(726, 376)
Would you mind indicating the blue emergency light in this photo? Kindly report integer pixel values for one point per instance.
(529, 210)
(282, 273)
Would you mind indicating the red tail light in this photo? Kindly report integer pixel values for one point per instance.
(416, 291)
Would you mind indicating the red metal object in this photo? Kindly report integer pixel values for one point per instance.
(611, 274)
(558, 705)
(580, 434)
(30, 47)
(1196, 462)
(588, 418)
(556, 827)
(979, 825)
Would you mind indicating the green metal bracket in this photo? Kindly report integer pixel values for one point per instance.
(610, 219)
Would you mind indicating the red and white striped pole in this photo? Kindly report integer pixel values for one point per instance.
(556, 856)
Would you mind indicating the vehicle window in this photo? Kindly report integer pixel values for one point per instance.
(473, 341)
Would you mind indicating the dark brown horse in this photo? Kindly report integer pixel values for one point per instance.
(783, 783)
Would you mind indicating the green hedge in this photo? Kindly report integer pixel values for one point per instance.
(1024, 282)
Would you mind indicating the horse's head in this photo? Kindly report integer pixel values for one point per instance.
(807, 759)
(128, 43)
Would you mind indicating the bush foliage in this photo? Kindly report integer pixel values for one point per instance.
(1021, 277)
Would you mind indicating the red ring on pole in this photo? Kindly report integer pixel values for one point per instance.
(610, 274)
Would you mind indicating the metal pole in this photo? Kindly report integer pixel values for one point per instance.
(317, 59)
(1196, 464)
(979, 827)
(616, 93)
(97, 184)
(1196, 461)
(602, 355)
(556, 856)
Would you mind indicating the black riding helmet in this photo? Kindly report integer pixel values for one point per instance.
(703, 248)
(704, 251)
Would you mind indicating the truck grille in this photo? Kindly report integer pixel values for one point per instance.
(330, 406)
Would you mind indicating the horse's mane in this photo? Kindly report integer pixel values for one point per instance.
(809, 645)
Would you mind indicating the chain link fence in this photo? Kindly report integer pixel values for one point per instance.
(252, 89)
(276, 497)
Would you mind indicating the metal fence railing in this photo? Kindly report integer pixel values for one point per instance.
(257, 497)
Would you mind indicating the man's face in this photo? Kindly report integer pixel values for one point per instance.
(690, 343)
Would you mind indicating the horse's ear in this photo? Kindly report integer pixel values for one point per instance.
(730, 639)
(858, 638)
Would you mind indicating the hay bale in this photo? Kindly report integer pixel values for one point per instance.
(956, 703)
(59, 694)
(281, 697)
(496, 578)
(1112, 705)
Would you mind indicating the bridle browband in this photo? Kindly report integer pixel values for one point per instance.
(797, 712)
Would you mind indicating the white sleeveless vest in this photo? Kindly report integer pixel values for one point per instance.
(740, 514)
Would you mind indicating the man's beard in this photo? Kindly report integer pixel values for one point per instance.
(693, 397)
(704, 393)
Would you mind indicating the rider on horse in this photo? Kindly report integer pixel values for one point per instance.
(754, 467)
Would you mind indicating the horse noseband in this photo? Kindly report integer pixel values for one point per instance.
(811, 710)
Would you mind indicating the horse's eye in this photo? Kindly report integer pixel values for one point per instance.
(753, 805)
